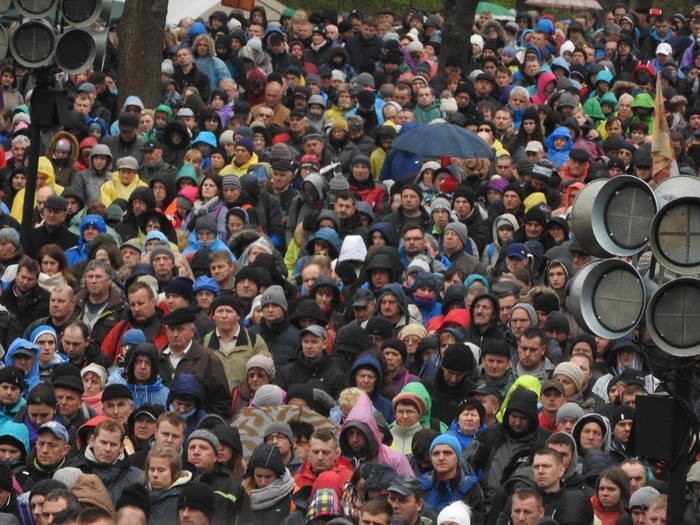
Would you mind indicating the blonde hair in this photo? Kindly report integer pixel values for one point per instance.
(174, 461)
(348, 398)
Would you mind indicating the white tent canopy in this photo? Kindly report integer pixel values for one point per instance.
(179, 9)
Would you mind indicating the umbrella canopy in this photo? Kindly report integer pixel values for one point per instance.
(498, 11)
(440, 139)
(566, 4)
(251, 422)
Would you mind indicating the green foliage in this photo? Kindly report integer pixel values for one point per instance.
(367, 7)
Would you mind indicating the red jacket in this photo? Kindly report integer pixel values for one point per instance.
(110, 345)
(306, 476)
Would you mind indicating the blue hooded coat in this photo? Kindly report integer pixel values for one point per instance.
(380, 403)
(79, 253)
(188, 384)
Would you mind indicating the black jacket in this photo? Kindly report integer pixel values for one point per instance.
(324, 375)
(28, 308)
(41, 236)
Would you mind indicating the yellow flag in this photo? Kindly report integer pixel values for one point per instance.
(662, 155)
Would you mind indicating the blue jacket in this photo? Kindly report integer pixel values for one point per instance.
(79, 253)
(188, 384)
(463, 439)
(32, 377)
(440, 493)
(380, 403)
(19, 432)
(193, 245)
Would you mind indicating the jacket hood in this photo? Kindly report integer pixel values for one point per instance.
(17, 431)
(505, 217)
(164, 108)
(560, 132)
(329, 215)
(317, 182)
(564, 263)
(145, 349)
(387, 231)
(328, 235)
(90, 490)
(602, 421)
(361, 418)
(176, 127)
(371, 362)
(545, 78)
(74, 145)
(353, 249)
(490, 297)
(396, 290)
(575, 465)
(186, 384)
(523, 382)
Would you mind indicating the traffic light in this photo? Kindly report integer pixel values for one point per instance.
(60, 30)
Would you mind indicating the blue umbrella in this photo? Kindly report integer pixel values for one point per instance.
(440, 139)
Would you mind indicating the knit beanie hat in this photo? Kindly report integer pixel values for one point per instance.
(546, 302)
(569, 410)
(472, 402)
(413, 329)
(458, 359)
(263, 361)
(99, 370)
(10, 235)
(161, 248)
(67, 475)
(268, 396)
(280, 427)
(15, 376)
(198, 496)
(571, 371)
(135, 495)
(274, 295)
(227, 300)
(450, 441)
(397, 345)
(303, 391)
(642, 497)
(461, 231)
(207, 436)
(266, 456)
(182, 287)
(409, 397)
(231, 181)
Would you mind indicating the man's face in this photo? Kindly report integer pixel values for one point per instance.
(533, 229)
(184, 57)
(35, 503)
(566, 452)
(410, 201)
(221, 271)
(273, 94)
(280, 441)
(552, 400)
(389, 306)
(379, 277)
(414, 241)
(322, 454)
(519, 322)
(374, 519)
(635, 476)
(444, 460)
(525, 511)
(141, 305)
(556, 277)
(61, 304)
(503, 120)
(73, 343)
(272, 313)
(656, 517)
(591, 436)
(226, 318)
(462, 207)
(68, 401)
(530, 352)
(312, 346)
(144, 427)
(546, 472)
(163, 266)
(51, 508)
(482, 312)
(169, 436)
(495, 366)
(9, 393)
(179, 335)
(357, 440)
(622, 430)
(452, 377)
(97, 282)
(26, 280)
(345, 208)
(505, 305)
(518, 421)
(49, 449)
(118, 409)
(201, 454)
(407, 508)
(106, 445)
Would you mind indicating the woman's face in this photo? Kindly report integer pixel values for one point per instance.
(235, 224)
(469, 421)
(256, 378)
(608, 493)
(159, 474)
(209, 189)
(529, 126)
(102, 255)
(344, 99)
(145, 123)
(91, 383)
(49, 265)
(407, 415)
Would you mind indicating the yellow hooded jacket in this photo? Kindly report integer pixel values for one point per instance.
(114, 189)
(45, 168)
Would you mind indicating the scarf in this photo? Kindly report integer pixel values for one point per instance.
(261, 499)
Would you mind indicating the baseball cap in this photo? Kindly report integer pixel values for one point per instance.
(534, 146)
(517, 251)
(151, 145)
(362, 298)
(664, 48)
(549, 384)
(316, 330)
(56, 429)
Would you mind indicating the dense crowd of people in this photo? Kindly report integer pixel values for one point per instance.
(255, 245)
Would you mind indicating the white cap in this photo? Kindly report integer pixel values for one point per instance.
(664, 49)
